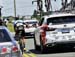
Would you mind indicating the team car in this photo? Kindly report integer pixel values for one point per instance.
(29, 27)
(8, 46)
(55, 30)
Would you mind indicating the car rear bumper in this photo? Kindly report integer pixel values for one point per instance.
(61, 43)
(29, 34)
(17, 54)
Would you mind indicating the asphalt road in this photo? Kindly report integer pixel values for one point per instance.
(59, 53)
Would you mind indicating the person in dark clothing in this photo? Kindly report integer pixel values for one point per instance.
(22, 41)
(21, 34)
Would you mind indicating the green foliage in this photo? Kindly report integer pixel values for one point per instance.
(37, 15)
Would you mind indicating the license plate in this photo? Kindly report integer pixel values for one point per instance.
(65, 30)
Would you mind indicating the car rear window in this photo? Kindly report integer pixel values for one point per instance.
(59, 20)
(4, 36)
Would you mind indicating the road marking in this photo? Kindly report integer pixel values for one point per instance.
(29, 55)
(25, 55)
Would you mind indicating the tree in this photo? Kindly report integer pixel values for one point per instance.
(48, 5)
(39, 5)
(64, 3)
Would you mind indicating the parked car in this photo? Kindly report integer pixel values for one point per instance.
(8, 46)
(30, 26)
(56, 30)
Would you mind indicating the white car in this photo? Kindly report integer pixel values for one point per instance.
(8, 46)
(30, 26)
(56, 30)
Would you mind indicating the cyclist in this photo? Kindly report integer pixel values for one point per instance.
(21, 36)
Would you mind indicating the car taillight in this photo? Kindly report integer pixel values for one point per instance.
(14, 49)
(43, 33)
(4, 50)
(46, 28)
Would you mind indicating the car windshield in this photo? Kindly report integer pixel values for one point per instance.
(4, 36)
(61, 20)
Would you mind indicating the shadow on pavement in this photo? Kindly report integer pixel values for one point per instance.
(53, 51)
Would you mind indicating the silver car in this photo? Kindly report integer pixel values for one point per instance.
(8, 46)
